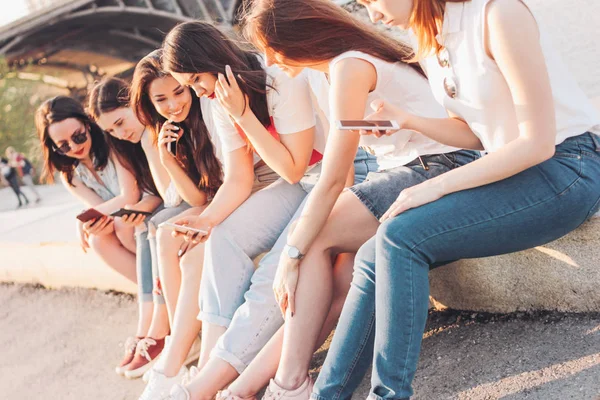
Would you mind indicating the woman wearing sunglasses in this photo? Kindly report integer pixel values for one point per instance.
(130, 141)
(75, 146)
(492, 67)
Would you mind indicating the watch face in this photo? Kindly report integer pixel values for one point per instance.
(293, 252)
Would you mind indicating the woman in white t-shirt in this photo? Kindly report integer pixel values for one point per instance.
(348, 65)
(265, 120)
(491, 65)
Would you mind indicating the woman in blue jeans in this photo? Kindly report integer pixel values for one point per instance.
(538, 182)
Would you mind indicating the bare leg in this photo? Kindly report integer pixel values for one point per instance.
(185, 327)
(264, 366)
(349, 226)
(168, 263)
(160, 321)
(146, 309)
(210, 335)
(126, 235)
(215, 375)
(109, 248)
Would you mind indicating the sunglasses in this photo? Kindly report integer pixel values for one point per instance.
(77, 138)
(450, 84)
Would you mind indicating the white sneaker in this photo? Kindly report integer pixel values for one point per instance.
(159, 385)
(179, 392)
(193, 354)
(191, 374)
(276, 392)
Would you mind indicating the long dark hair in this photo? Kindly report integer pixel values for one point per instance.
(108, 95)
(58, 109)
(193, 47)
(317, 31)
(195, 150)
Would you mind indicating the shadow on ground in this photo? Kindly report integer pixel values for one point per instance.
(64, 344)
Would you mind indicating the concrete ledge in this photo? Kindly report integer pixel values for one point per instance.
(563, 275)
(58, 265)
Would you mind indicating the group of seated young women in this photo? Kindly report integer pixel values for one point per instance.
(244, 146)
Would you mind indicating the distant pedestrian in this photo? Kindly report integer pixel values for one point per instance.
(24, 168)
(10, 174)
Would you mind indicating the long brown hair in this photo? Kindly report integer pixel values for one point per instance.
(58, 109)
(317, 31)
(196, 47)
(426, 22)
(109, 95)
(195, 150)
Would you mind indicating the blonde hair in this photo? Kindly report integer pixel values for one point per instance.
(426, 22)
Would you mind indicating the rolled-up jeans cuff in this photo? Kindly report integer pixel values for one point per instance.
(229, 358)
(373, 396)
(214, 319)
(146, 297)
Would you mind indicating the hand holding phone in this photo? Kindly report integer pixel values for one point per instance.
(100, 226)
(124, 212)
(168, 137)
(89, 214)
(184, 229)
(367, 125)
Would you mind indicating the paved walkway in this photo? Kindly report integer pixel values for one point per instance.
(465, 356)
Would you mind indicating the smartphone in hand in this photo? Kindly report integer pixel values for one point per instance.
(124, 212)
(182, 228)
(357, 125)
(89, 215)
(173, 145)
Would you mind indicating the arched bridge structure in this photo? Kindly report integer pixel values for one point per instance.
(72, 43)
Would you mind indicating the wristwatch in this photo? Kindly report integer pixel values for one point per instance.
(293, 252)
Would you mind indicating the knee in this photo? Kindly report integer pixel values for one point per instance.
(100, 244)
(192, 261)
(124, 233)
(364, 263)
(396, 232)
(165, 240)
(151, 230)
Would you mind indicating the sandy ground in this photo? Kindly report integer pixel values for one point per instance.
(465, 356)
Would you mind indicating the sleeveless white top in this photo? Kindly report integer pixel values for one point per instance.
(397, 84)
(484, 100)
(108, 188)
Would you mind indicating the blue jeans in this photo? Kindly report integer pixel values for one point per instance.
(384, 323)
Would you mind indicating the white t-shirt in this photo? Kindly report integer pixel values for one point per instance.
(397, 84)
(290, 107)
(484, 99)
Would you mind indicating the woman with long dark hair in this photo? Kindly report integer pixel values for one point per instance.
(185, 178)
(266, 120)
(130, 142)
(493, 68)
(75, 146)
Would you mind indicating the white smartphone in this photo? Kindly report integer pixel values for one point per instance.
(182, 228)
(356, 125)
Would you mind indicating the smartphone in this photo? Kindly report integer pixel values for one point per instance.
(89, 215)
(123, 212)
(182, 228)
(173, 145)
(356, 125)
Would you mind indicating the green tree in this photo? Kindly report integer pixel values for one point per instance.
(19, 98)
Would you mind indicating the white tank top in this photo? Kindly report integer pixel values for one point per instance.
(484, 100)
(397, 84)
